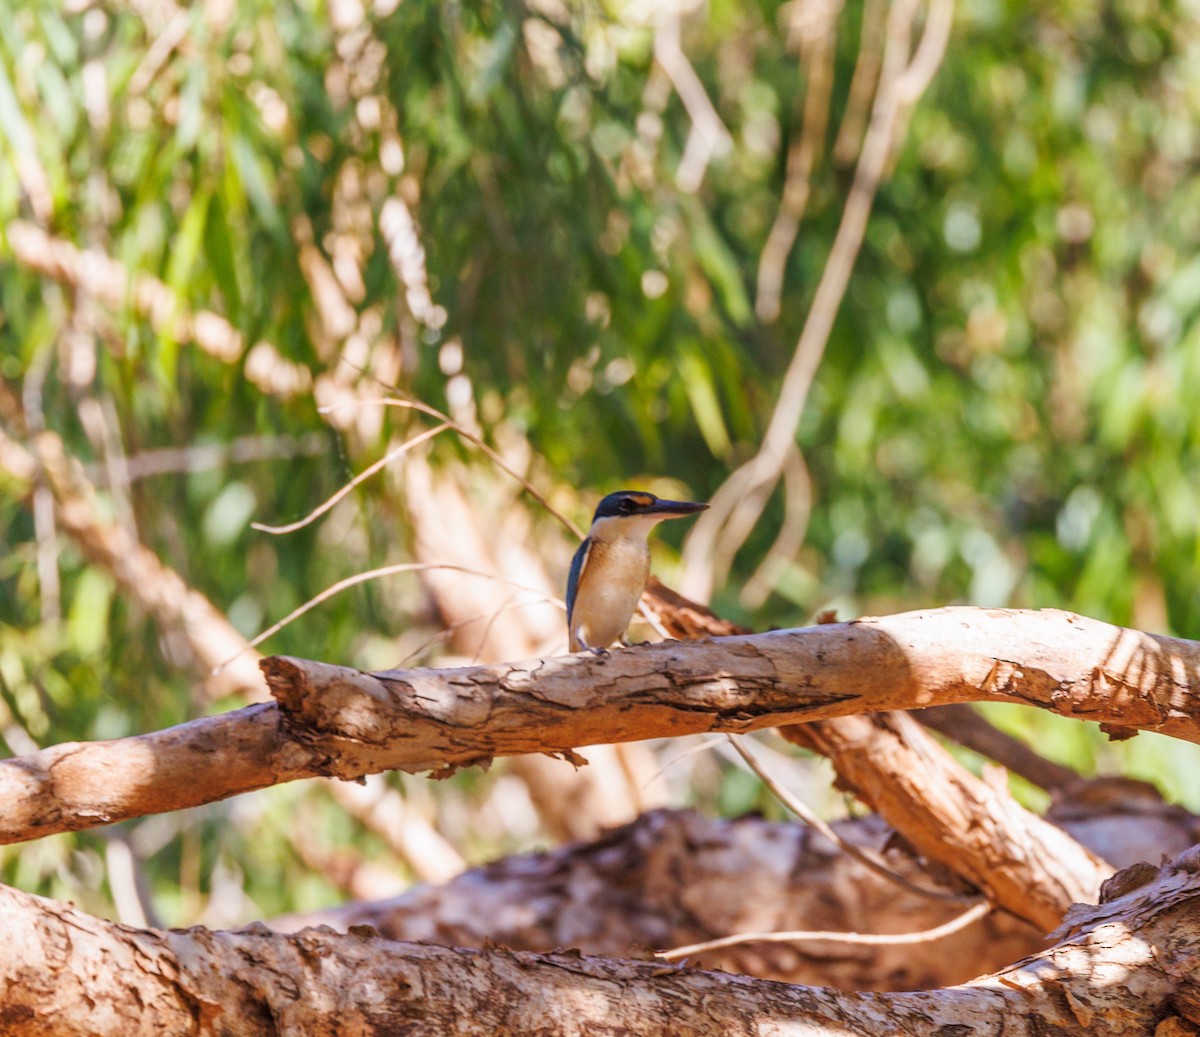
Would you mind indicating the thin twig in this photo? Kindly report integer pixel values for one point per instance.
(362, 476)
(653, 621)
(157, 53)
(45, 527)
(703, 747)
(920, 71)
(972, 914)
(797, 506)
(812, 819)
(862, 83)
(148, 464)
(363, 577)
(478, 617)
(470, 437)
(708, 137)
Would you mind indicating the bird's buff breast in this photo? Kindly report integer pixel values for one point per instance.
(616, 576)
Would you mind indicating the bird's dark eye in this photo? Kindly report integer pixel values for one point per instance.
(627, 505)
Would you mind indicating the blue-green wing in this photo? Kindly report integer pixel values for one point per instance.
(577, 564)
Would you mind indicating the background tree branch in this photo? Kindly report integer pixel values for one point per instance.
(662, 881)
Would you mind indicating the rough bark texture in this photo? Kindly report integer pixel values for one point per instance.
(977, 830)
(664, 881)
(77, 785)
(65, 973)
(341, 722)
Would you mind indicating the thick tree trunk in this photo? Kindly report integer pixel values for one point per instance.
(1129, 966)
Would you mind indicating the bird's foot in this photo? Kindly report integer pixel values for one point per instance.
(636, 644)
(601, 653)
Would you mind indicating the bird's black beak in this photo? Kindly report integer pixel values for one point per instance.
(674, 508)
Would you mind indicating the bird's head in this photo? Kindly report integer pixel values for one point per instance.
(634, 512)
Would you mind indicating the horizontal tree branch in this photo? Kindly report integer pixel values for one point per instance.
(664, 880)
(335, 721)
(65, 973)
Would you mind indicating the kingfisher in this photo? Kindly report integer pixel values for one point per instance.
(610, 569)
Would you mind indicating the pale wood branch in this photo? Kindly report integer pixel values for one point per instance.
(974, 828)
(335, 721)
(735, 507)
(66, 973)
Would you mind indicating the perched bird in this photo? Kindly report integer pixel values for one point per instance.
(610, 569)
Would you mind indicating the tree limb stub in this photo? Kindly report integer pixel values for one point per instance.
(333, 720)
(66, 973)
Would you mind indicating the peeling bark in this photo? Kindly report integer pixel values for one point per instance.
(208, 636)
(63, 973)
(977, 830)
(336, 721)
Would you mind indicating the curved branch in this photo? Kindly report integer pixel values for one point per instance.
(137, 570)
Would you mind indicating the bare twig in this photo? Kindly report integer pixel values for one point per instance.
(149, 464)
(470, 437)
(362, 477)
(449, 630)
(862, 83)
(816, 55)
(708, 137)
(797, 506)
(968, 917)
(364, 577)
(160, 50)
(137, 570)
(45, 529)
(921, 71)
